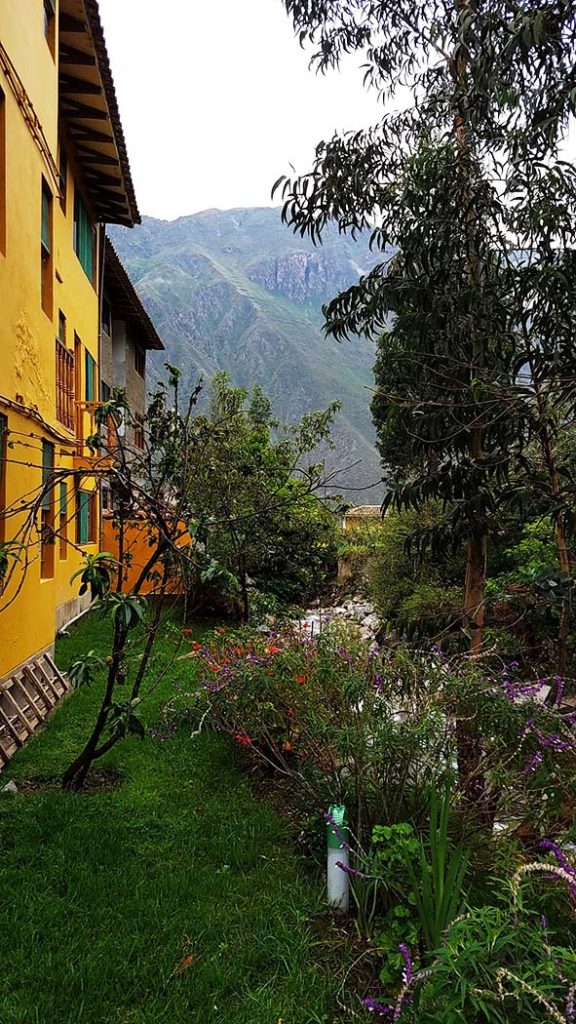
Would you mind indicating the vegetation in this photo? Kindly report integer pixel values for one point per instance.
(165, 893)
(255, 495)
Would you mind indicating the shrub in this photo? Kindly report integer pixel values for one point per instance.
(374, 727)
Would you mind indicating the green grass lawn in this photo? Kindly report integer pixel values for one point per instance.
(105, 895)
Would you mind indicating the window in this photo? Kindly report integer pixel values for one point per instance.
(50, 24)
(106, 317)
(63, 521)
(85, 517)
(65, 382)
(140, 361)
(2, 174)
(63, 177)
(61, 327)
(139, 431)
(46, 250)
(90, 368)
(3, 467)
(47, 513)
(83, 236)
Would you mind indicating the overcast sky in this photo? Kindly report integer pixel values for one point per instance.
(216, 100)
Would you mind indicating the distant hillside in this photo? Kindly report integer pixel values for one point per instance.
(236, 290)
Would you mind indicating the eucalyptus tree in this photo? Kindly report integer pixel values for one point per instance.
(464, 193)
(466, 196)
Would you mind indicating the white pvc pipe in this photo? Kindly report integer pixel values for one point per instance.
(338, 880)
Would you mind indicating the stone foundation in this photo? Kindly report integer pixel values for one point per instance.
(71, 609)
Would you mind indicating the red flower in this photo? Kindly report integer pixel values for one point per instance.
(196, 646)
(243, 739)
(300, 679)
(215, 668)
(187, 632)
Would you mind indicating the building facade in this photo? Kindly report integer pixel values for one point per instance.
(64, 174)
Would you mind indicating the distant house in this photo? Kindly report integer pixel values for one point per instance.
(362, 515)
(127, 335)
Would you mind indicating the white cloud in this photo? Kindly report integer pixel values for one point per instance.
(217, 99)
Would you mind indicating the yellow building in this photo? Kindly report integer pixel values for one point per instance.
(64, 174)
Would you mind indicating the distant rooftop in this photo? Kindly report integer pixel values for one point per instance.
(90, 109)
(368, 511)
(125, 301)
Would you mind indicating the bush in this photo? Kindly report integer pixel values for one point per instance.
(373, 727)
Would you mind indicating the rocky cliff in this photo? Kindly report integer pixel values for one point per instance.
(236, 290)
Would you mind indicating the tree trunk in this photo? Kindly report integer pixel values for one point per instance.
(243, 577)
(75, 775)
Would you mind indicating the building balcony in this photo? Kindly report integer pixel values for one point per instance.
(86, 457)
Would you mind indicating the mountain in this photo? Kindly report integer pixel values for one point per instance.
(236, 290)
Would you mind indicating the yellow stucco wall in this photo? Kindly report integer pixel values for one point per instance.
(28, 607)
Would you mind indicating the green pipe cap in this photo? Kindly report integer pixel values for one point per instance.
(338, 814)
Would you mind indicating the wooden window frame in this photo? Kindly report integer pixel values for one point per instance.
(63, 178)
(139, 440)
(84, 247)
(63, 521)
(89, 377)
(65, 386)
(46, 247)
(85, 499)
(140, 361)
(47, 537)
(49, 17)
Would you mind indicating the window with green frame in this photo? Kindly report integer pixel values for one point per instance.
(85, 517)
(47, 513)
(90, 368)
(83, 236)
(63, 523)
(46, 250)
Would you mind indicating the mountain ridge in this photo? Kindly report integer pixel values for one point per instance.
(235, 290)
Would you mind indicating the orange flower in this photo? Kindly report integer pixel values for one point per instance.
(287, 745)
(215, 668)
(187, 632)
(272, 649)
(220, 629)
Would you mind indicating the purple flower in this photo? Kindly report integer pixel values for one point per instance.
(344, 655)
(560, 686)
(256, 660)
(407, 973)
(570, 1005)
(350, 871)
(378, 685)
(375, 1007)
(533, 763)
(211, 686)
(553, 740)
(559, 855)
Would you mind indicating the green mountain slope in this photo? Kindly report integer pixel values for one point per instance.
(236, 290)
